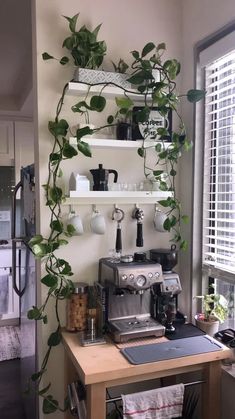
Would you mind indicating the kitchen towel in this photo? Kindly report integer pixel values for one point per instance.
(3, 293)
(161, 403)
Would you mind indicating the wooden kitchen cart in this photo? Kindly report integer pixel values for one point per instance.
(103, 366)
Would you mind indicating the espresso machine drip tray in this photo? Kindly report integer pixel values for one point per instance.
(125, 329)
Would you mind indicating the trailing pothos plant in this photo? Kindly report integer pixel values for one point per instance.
(162, 94)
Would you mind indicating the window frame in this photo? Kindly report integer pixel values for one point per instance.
(201, 277)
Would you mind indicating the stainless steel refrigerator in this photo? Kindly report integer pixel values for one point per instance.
(24, 280)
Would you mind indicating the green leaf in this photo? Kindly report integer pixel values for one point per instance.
(84, 148)
(135, 54)
(56, 225)
(110, 119)
(69, 151)
(36, 375)
(96, 30)
(54, 338)
(158, 172)
(142, 115)
(64, 60)
(40, 250)
(63, 242)
(65, 291)
(54, 157)
(162, 132)
(46, 56)
(147, 49)
(34, 313)
(36, 239)
(124, 102)
(45, 389)
(173, 221)
(98, 103)
(163, 186)
(188, 145)
(167, 224)
(72, 22)
(161, 46)
(70, 229)
(158, 147)
(78, 107)
(50, 405)
(67, 269)
(49, 280)
(81, 132)
(163, 154)
(172, 67)
(184, 245)
(141, 152)
(56, 194)
(185, 219)
(137, 78)
(194, 95)
(58, 128)
(165, 202)
(45, 319)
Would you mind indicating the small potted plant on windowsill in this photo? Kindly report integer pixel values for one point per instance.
(214, 312)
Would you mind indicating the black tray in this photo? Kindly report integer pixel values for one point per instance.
(168, 350)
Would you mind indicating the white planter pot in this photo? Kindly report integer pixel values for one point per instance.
(86, 75)
(209, 327)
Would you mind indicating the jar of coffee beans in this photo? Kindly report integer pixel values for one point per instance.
(77, 306)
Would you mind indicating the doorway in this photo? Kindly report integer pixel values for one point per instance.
(16, 151)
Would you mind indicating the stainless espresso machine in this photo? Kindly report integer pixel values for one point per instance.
(125, 297)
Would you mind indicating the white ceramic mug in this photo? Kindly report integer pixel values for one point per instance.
(98, 225)
(76, 222)
(158, 221)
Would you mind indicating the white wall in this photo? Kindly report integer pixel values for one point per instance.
(199, 19)
(126, 26)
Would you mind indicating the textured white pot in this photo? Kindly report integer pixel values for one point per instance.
(89, 76)
(209, 327)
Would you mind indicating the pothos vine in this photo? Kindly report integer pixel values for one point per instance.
(161, 93)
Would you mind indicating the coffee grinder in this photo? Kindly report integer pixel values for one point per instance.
(166, 293)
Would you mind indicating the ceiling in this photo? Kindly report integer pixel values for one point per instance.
(16, 54)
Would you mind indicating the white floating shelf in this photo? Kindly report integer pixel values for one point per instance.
(115, 197)
(109, 91)
(111, 143)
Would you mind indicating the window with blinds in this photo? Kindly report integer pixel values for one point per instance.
(219, 167)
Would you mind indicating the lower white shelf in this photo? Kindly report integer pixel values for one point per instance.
(114, 197)
(112, 143)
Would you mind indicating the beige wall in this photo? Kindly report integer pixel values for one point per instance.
(140, 22)
(200, 19)
(126, 26)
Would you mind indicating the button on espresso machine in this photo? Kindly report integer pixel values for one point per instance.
(125, 290)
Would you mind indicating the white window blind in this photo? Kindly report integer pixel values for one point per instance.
(219, 166)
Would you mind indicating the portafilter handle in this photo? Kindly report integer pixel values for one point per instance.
(138, 214)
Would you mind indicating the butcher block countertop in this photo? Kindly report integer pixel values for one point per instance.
(100, 363)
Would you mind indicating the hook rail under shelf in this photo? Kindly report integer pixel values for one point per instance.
(118, 197)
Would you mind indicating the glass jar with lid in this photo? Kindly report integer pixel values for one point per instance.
(77, 306)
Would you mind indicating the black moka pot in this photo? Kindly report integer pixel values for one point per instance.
(100, 178)
(168, 258)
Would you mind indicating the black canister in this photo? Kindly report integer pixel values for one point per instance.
(168, 258)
